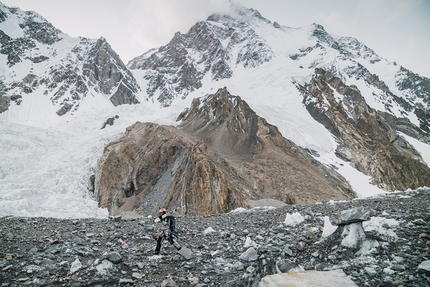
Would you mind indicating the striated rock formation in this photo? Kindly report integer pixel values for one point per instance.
(156, 165)
(221, 155)
(367, 138)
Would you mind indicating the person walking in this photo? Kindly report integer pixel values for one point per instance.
(166, 231)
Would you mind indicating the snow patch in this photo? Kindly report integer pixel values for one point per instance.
(293, 219)
(329, 228)
(208, 230)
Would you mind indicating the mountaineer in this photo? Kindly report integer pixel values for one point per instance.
(167, 230)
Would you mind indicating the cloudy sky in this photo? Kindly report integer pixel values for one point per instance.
(398, 30)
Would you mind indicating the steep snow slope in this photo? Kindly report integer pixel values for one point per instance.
(45, 171)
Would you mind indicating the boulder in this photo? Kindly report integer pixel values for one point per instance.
(424, 267)
(311, 278)
(353, 215)
(249, 255)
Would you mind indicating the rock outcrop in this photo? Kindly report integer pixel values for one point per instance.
(274, 166)
(156, 165)
(367, 138)
(221, 155)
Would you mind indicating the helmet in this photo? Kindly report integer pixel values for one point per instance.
(162, 211)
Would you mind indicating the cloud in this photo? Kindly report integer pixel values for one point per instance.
(385, 11)
(153, 23)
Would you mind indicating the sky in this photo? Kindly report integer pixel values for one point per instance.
(397, 30)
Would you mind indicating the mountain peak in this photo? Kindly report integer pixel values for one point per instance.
(238, 11)
(318, 27)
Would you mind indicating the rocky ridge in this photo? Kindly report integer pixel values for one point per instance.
(233, 249)
(367, 138)
(219, 156)
(353, 64)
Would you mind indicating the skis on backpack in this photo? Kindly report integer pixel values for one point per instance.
(174, 210)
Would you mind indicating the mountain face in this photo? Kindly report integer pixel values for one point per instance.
(39, 59)
(221, 155)
(208, 49)
(366, 138)
(340, 115)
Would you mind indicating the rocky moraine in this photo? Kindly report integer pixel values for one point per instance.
(233, 249)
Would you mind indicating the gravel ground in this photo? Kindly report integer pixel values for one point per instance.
(119, 252)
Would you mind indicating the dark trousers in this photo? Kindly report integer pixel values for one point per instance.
(161, 236)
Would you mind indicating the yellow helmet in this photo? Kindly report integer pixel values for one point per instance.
(162, 211)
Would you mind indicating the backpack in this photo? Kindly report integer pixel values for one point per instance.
(171, 222)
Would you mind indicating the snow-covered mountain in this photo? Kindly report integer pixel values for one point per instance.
(72, 85)
(265, 62)
(229, 46)
(44, 69)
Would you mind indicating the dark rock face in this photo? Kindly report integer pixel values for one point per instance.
(418, 90)
(411, 98)
(365, 137)
(91, 252)
(221, 155)
(107, 74)
(35, 28)
(4, 103)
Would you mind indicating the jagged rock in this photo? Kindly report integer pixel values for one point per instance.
(76, 265)
(114, 257)
(424, 267)
(110, 121)
(169, 282)
(285, 266)
(186, 252)
(4, 103)
(249, 255)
